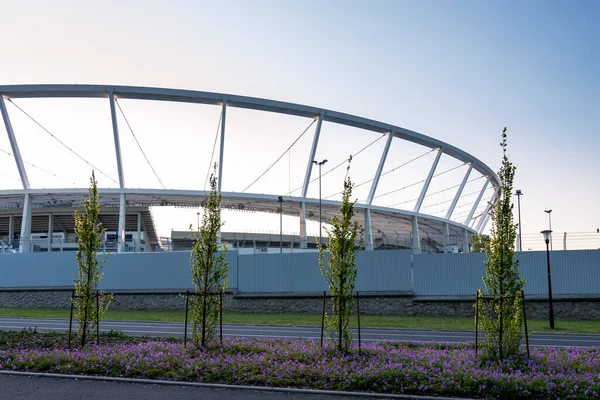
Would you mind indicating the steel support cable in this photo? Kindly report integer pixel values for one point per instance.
(479, 208)
(138, 143)
(406, 163)
(406, 187)
(212, 155)
(40, 168)
(61, 142)
(385, 173)
(439, 191)
(397, 190)
(281, 156)
(342, 163)
(448, 188)
(339, 165)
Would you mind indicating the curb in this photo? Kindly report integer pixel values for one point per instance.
(232, 387)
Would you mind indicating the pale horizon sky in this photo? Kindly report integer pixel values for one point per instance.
(458, 71)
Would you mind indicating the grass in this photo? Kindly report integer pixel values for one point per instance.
(367, 321)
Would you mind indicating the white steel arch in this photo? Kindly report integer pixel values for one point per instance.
(384, 219)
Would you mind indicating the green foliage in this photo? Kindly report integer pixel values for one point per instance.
(338, 266)
(114, 333)
(209, 269)
(89, 233)
(480, 242)
(502, 316)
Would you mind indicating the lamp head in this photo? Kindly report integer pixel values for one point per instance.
(548, 211)
(519, 192)
(546, 234)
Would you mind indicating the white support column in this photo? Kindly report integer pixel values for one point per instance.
(416, 242)
(303, 241)
(222, 146)
(13, 144)
(115, 126)
(459, 193)
(121, 233)
(470, 216)
(221, 155)
(50, 232)
(25, 242)
(122, 205)
(446, 236)
(428, 181)
(311, 157)
(11, 229)
(565, 241)
(480, 225)
(386, 149)
(466, 244)
(138, 245)
(368, 231)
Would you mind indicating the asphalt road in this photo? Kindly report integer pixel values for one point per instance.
(35, 388)
(174, 329)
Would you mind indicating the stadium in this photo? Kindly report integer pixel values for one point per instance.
(449, 191)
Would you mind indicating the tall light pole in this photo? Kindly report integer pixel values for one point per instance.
(320, 215)
(519, 193)
(547, 234)
(198, 221)
(549, 212)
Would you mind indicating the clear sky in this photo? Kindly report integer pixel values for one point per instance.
(458, 71)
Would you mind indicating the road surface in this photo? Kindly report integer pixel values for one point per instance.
(176, 329)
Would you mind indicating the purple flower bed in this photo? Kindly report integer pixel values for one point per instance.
(386, 367)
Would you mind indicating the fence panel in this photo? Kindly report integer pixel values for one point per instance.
(38, 269)
(299, 272)
(448, 274)
(280, 273)
(388, 270)
(160, 270)
(575, 272)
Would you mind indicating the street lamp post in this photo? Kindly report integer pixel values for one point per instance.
(519, 193)
(320, 215)
(549, 212)
(547, 234)
(198, 221)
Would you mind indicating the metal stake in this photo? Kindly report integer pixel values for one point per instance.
(358, 314)
(476, 319)
(187, 299)
(97, 318)
(525, 323)
(71, 317)
(323, 318)
(221, 316)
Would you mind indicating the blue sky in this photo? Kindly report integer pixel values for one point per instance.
(458, 71)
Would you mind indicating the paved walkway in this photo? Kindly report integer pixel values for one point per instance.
(36, 388)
